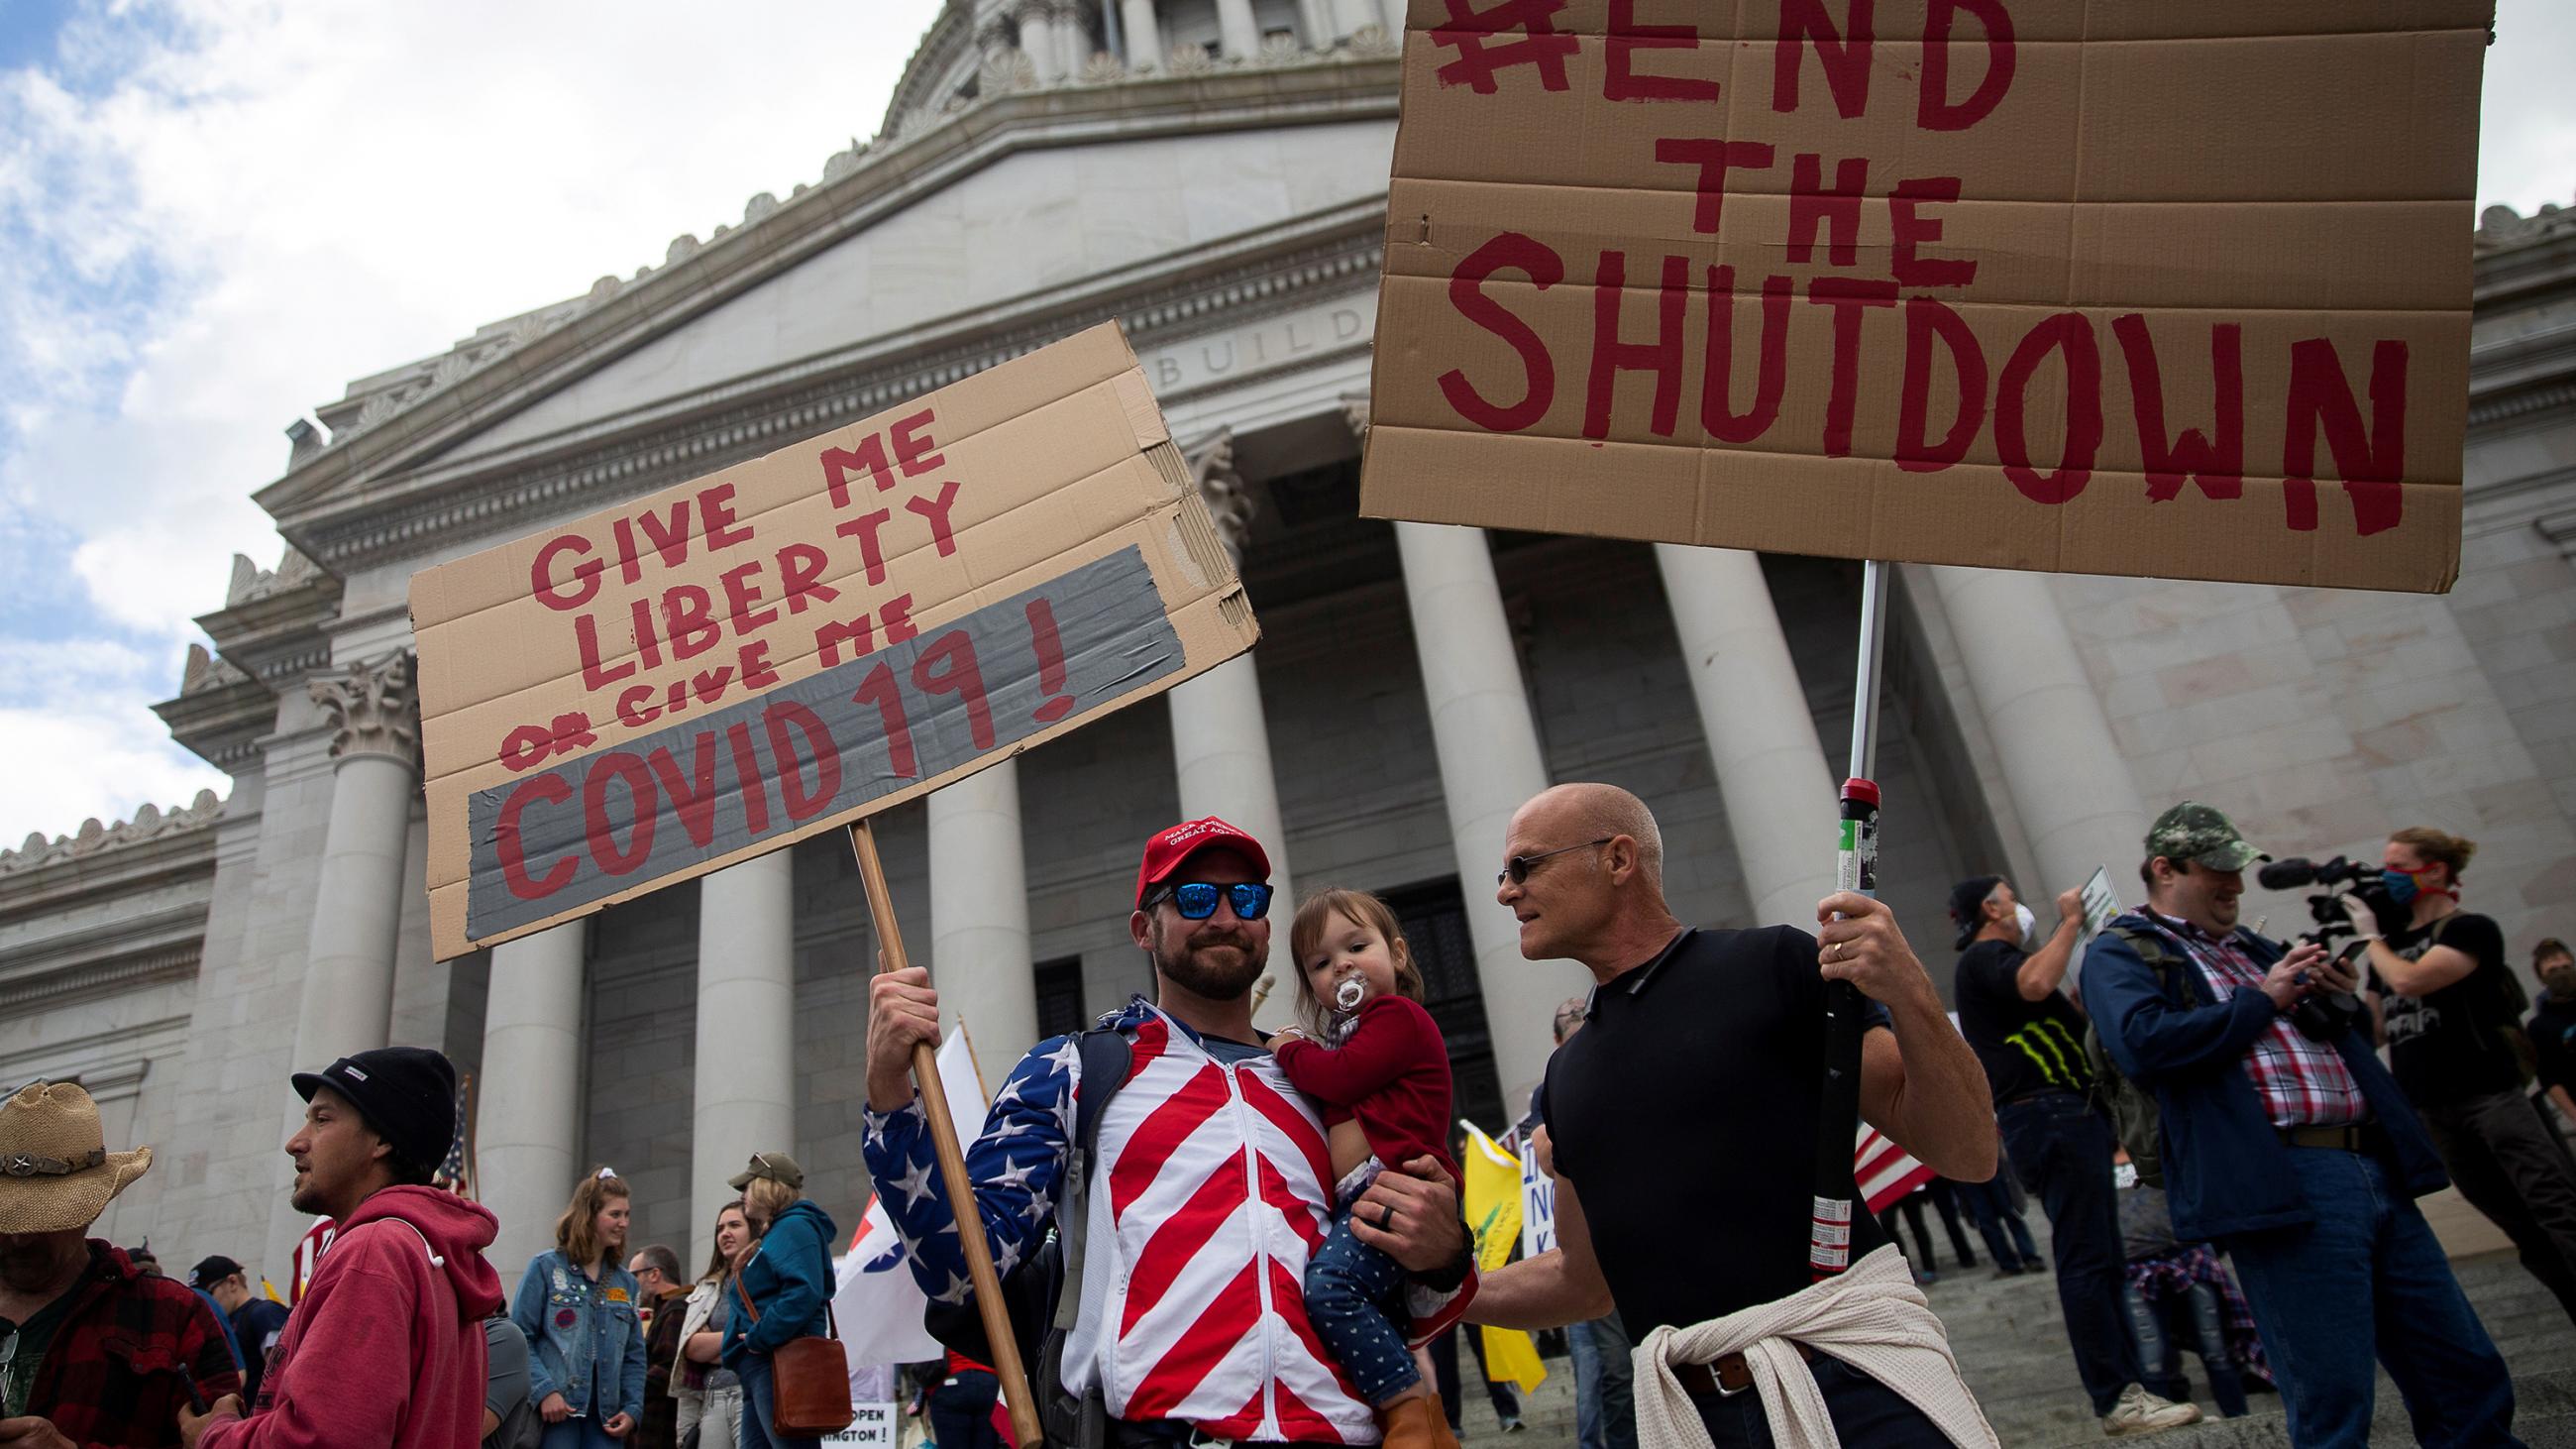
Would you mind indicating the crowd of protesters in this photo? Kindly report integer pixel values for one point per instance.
(2203, 1114)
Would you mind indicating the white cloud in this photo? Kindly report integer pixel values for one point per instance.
(2527, 132)
(221, 211)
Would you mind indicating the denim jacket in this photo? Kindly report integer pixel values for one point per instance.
(585, 1340)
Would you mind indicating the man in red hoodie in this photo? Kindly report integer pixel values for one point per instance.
(394, 1311)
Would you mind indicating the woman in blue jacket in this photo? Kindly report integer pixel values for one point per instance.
(788, 1279)
(577, 1306)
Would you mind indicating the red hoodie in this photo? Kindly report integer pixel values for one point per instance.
(395, 1316)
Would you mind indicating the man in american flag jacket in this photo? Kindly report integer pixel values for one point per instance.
(1209, 1188)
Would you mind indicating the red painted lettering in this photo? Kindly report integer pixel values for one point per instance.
(669, 538)
(599, 823)
(688, 617)
(864, 529)
(740, 595)
(526, 747)
(1771, 368)
(1612, 356)
(1837, 206)
(757, 672)
(755, 788)
(585, 574)
(879, 688)
(693, 796)
(715, 509)
(1913, 229)
(1714, 159)
(800, 574)
(840, 463)
(1515, 252)
(1846, 296)
(509, 839)
(635, 708)
(2321, 396)
(936, 511)
(2070, 334)
(957, 673)
(1928, 321)
(1933, 110)
(912, 444)
(596, 672)
(2219, 468)
(1050, 649)
(1620, 81)
(1844, 53)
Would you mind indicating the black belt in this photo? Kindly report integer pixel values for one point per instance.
(1728, 1375)
(2345, 1137)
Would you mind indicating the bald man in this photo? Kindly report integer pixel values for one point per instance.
(1683, 1120)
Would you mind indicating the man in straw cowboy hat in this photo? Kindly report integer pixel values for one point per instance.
(91, 1351)
(385, 1347)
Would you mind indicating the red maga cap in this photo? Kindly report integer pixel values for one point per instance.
(1165, 853)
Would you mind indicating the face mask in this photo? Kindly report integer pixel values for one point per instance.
(2028, 923)
(2399, 885)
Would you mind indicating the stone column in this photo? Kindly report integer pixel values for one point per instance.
(1489, 766)
(1221, 736)
(1144, 34)
(1238, 34)
(1761, 737)
(2069, 784)
(745, 1093)
(528, 1098)
(1037, 40)
(979, 913)
(348, 996)
(1072, 39)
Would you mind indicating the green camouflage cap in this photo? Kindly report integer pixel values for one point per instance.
(2196, 832)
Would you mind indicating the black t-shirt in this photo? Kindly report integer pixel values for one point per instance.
(2446, 1047)
(2025, 1046)
(256, 1325)
(2553, 1038)
(1685, 1113)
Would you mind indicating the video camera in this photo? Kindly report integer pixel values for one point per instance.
(2321, 1017)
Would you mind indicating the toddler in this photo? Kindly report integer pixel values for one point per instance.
(1373, 1057)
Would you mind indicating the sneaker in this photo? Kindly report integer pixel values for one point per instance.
(2140, 1412)
(1513, 1426)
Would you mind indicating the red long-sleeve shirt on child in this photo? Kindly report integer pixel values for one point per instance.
(1391, 1073)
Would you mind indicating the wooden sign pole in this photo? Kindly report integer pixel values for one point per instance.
(952, 1162)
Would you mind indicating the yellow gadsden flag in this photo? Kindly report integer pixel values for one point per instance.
(1494, 1210)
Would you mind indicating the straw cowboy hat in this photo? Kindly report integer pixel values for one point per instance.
(56, 1173)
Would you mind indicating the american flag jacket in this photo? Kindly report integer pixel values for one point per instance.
(1210, 1188)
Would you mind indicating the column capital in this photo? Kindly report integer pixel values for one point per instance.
(372, 708)
(1355, 412)
(1228, 500)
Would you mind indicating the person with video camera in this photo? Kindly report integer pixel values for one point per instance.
(2453, 1013)
(2282, 1140)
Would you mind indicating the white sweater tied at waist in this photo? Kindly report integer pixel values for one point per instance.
(1872, 1318)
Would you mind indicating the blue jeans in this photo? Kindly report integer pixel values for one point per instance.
(961, 1411)
(1989, 1206)
(759, 1403)
(1349, 1287)
(2062, 1147)
(2368, 1274)
(581, 1433)
(2161, 1358)
(1864, 1411)
(1605, 1403)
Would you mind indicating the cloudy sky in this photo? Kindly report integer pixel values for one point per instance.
(214, 213)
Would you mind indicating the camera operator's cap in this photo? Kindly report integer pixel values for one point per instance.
(211, 1271)
(1968, 907)
(1167, 852)
(408, 1094)
(2198, 833)
(778, 1167)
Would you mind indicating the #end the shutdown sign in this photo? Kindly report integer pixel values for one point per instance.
(2162, 287)
(709, 673)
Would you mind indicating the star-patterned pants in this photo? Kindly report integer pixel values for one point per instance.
(1354, 1297)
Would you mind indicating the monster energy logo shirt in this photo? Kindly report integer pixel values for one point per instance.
(2026, 1046)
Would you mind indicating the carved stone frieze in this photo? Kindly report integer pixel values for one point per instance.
(372, 708)
(1229, 502)
(149, 823)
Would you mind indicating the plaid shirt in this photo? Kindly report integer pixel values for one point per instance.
(2302, 1083)
(117, 1371)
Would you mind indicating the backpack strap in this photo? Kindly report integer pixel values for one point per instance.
(1106, 1057)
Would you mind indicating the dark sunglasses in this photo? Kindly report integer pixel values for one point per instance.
(1517, 869)
(1196, 900)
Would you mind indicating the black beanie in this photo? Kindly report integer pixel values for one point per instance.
(1967, 907)
(408, 1094)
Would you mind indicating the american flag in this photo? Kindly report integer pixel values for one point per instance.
(456, 1174)
(1884, 1170)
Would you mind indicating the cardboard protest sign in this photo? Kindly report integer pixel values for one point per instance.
(666, 687)
(2176, 288)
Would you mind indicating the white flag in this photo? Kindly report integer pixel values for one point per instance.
(877, 1305)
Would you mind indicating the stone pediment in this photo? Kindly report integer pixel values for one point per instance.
(989, 216)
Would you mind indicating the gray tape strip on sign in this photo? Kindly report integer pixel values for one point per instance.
(774, 765)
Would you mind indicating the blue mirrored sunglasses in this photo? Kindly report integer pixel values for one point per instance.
(1196, 900)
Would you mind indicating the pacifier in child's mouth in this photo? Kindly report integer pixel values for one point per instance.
(1350, 993)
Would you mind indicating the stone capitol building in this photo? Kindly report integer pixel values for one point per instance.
(1213, 174)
